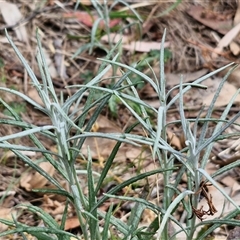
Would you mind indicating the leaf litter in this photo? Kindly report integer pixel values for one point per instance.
(195, 33)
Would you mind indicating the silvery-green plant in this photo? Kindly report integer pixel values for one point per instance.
(69, 129)
(190, 163)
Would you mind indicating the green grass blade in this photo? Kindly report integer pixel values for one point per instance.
(110, 159)
(24, 97)
(162, 84)
(136, 213)
(54, 191)
(33, 165)
(120, 225)
(26, 133)
(134, 70)
(218, 133)
(22, 59)
(93, 223)
(175, 98)
(127, 183)
(107, 221)
(218, 128)
(172, 206)
(46, 75)
(212, 105)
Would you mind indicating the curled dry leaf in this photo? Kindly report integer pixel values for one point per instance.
(219, 201)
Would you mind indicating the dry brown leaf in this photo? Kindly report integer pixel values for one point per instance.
(201, 15)
(134, 152)
(173, 79)
(225, 95)
(12, 16)
(148, 217)
(6, 214)
(234, 76)
(53, 207)
(103, 124)
(88, 20)
(205, 96)
(101, 147)
(232, 183)
(211, 167)
(235, 48)
(174, 140)
(33, 94)
(33, 180)
(71, 223)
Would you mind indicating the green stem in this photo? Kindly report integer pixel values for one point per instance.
(195, 197)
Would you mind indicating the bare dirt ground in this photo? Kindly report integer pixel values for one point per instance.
(201, 37)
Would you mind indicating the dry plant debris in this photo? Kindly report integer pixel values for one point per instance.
(200, 213)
